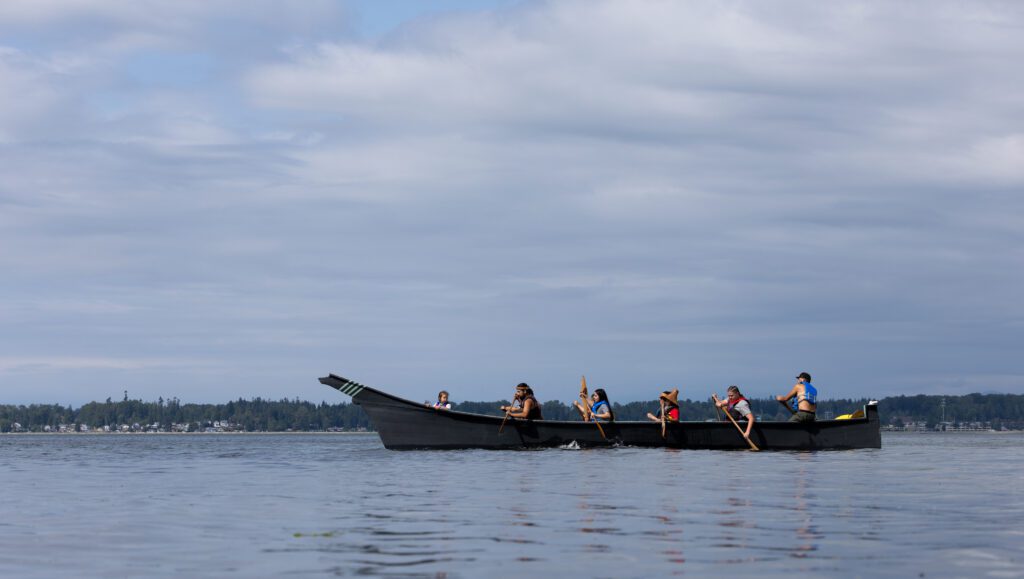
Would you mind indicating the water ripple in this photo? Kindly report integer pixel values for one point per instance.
(343, 506)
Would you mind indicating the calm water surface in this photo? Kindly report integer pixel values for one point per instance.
(944, 505)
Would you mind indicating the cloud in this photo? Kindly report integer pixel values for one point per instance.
(30, 92)
(997, 158)
(650, 192)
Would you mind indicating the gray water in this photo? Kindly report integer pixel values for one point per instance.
(947, 505)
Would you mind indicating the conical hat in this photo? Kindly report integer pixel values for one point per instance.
(671, 397)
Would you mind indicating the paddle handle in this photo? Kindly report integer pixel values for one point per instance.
(786, 406)
(584, 397)
(507, 413)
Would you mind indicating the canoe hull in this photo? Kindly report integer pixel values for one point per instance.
(406, 425)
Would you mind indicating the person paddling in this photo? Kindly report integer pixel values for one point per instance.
(805, 399)
(599, 409)
(737, 406)
(669, 400)
(528, 409)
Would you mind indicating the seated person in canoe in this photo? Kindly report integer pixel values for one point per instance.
(528, 408)
(737, 406)
(804, 398)
(596, 407)
(442, 401)
(669, 400)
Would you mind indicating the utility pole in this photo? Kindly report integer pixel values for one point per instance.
(943, 409)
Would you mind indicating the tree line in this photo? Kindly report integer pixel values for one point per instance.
(255, 415)
(259, 415)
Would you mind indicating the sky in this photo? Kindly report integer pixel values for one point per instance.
(223, 200)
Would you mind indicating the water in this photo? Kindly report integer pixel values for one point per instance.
(326, 505)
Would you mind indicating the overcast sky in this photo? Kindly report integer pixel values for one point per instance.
(214, 200)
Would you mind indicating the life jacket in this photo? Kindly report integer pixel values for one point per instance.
(671, 413)
(446, 405)
(595, 410)
(810, 395)
(732, 412)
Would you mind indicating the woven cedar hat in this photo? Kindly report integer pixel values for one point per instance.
(672, 397)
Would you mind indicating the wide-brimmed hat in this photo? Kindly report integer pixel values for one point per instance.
(672, 397)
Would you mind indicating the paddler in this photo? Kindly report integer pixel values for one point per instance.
(528, 409)
(805, 399)
(669, 400)
(598, 407)
(737, 406)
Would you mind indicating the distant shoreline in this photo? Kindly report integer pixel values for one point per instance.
(245, 433)
(922, 412)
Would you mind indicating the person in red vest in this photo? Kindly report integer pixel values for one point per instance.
(737, 407)
(669, 401)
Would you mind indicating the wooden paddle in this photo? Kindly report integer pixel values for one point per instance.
(586, 404)
(736, 424)
(662, 400)
(584, 396)
(507, 412)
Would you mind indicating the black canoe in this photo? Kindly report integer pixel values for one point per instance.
(406, 425)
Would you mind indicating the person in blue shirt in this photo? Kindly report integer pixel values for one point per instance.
(804, 398)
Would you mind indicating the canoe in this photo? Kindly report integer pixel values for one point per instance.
(406, 425)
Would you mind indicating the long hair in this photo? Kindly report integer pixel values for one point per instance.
(603, 397)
